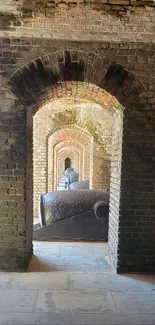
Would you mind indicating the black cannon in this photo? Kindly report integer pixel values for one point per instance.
(81, 185)
(78, 214)
(69, 177)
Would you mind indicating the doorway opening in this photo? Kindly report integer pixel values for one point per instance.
(107, 89)
(90, 134)
(87, 133)
(67, 163)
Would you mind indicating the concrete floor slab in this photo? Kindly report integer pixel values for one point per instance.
(148, 281)
(51, 247)
(109, 319)
(134, 303)
(5, 278)
(45, 281)
(84, 249)
(105, 282)
(73, 263)
(68, 256)
(75, 284)
(81, 302)
(12, 301)
(34, 318)
(74, 319)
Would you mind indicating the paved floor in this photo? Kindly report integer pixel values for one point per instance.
(74, 283)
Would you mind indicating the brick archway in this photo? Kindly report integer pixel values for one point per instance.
(82, 140)
(59, 159)
(30, 83)
(68, 149)
(73, 74)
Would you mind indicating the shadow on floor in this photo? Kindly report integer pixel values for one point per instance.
(70, 256)
(79, 257)
(38, 265)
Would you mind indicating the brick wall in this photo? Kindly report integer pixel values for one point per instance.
(106, 20)
(136, 238)
(14, 240)
(126, 38)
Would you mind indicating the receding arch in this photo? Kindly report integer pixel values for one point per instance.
(76, 153)
(61, 155)
(84, 141)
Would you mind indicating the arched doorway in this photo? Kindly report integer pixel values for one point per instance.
(109, 84)
(68, 163)
(80, 141)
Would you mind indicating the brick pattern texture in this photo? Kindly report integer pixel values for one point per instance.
(102, 20)
(77, 50)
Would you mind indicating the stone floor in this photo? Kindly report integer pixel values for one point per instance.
(74, 283)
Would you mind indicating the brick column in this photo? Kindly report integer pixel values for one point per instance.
(132, 236)
(136, 249)
(29, 183)
(15, 252)
(115, 189)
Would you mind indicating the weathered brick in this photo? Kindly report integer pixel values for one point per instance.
(127, 40)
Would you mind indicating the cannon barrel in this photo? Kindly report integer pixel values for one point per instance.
(59, 205)
(81, 185)
(101, 209)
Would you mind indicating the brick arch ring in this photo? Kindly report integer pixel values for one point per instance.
(31, 83)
